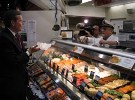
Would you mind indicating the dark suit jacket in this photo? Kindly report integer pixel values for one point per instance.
(13, 61)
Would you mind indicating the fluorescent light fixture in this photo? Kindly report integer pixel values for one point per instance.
(84, 1)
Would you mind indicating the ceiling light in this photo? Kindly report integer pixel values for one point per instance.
(86, 21)
(84, 1)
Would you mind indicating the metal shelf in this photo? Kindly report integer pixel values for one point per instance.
(99, 49)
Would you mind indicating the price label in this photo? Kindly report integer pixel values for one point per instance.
(109, 98)
(45, 61)
(92, 74)
(98, 95)
(86, 68)
(53, 42)
(96, 79)
(53, 67)
(67, 73)
(73, 67)
(63, 70)
(74, 80)
(82, 86)
(49, 62)
(57, 69)
(79, 50)
(122, 61)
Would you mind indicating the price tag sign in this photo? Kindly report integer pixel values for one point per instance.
(46, 60)
(73, 67)
(122, 61)
(96, 79)
(53, 42)
(82, 86)
(63, 70)
(86, 68)
(92, 74)
(79, 50)
(57, 69)
(49, 62)
(109, 98)
(53, 67)
(74, 80)
(98, 95)
(67, 73)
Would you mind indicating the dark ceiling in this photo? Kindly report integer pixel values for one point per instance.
(23, 5)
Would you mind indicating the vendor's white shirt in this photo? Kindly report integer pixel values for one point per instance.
(112, 38)
(95, 41)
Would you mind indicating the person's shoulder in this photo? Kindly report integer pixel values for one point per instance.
(113, 37)
(76, 32)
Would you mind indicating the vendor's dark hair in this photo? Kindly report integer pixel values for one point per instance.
(9, 16)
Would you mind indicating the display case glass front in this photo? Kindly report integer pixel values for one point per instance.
(91, 72)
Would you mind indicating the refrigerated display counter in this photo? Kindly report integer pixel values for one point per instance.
(89, 73)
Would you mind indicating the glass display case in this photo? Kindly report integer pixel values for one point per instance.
(89, 73)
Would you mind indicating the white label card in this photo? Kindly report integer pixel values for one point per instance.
(53, 42)
(122, 61)
(79, 50)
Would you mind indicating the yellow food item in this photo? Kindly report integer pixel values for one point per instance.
(133, 95)
(126, 96)
(64, 34)
(133, 92)
(124, 99)
(115, 59)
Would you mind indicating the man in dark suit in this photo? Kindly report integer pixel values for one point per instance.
(13, 59)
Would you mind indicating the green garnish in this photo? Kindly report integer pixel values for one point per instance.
(75, 70)
(113, 92)
(115, 75)
(133, 83)
(94, 84)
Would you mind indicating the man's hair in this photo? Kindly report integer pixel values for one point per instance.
(9, 16)
(80, 25)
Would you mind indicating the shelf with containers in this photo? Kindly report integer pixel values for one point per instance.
(91, 70)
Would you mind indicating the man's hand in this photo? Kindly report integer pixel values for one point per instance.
(33, 49)
(102, 41)
(83, 39)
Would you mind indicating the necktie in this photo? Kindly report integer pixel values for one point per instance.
(18, 37)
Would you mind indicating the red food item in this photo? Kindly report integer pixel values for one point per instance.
(80, 78)
(80, 75)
